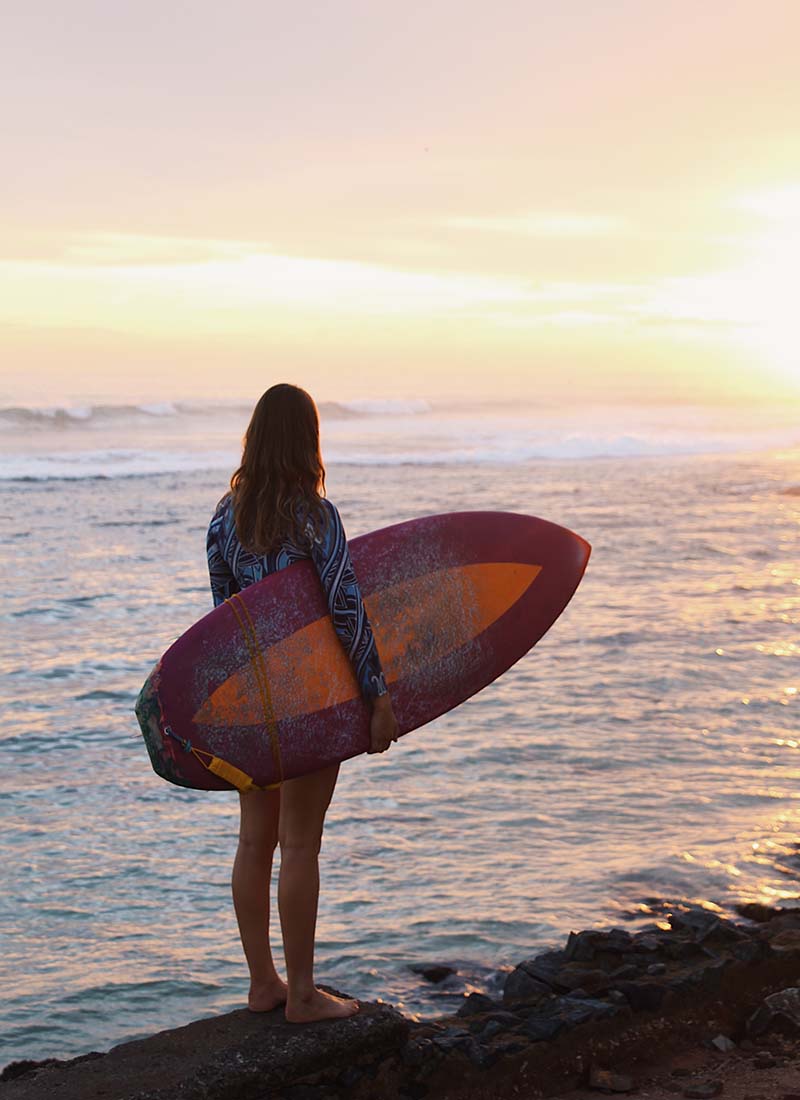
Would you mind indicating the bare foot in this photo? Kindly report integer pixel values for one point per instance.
(319, 1005)
(263, 998)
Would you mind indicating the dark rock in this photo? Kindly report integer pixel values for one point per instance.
(475, 1003)
(704, 925)
(509, 1020)
(710, 977)
(509, 1046)
(542, 1028)
(13, 1070)
(616, 996)
(584, 946)
(521, 985)
(350, 1076)
(723, 1043)
(699, 922)
(416, 1051)
(435, 974)
(764, 1060)
(779, 1012)
(657, 968)
(243, 1054)
(785, 941)
(580, 978)
(492, 1028)
(478, 1055)
(573, 1011)
(627, 970)
(650, 941)
(755, 911)
(703, 1090)
(608, 1080)
(25, 1065)
(545, 967)
(681, 986)
(452, 1041)
(750, 950)
(681, 949)
(597, 1008)
(642, 995)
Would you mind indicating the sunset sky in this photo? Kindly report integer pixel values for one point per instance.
(518, 199)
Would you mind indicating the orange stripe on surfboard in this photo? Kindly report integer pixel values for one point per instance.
(416, 624)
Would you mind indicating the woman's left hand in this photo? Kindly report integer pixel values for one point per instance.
(383, 725)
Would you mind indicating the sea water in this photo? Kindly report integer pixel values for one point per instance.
(646, 750)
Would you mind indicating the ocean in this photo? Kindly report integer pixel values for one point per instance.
(645, 751)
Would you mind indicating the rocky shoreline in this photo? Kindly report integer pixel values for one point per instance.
(599, 1013)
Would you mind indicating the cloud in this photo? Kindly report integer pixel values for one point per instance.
(540, 224)
(137, 248)
(781, 204)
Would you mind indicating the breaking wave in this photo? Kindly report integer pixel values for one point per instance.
(76, 417)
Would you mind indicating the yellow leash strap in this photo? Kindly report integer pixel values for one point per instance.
(229, 772)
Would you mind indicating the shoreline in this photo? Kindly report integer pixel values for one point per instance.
(671, 1009)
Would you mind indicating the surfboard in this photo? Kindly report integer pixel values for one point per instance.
(260, 690)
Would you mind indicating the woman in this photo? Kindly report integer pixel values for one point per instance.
(274, 515)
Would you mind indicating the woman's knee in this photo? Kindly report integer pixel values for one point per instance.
(258, 825)
(305, 845)
(259, 845)
(304, 803)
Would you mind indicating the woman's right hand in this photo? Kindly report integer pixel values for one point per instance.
(383, 728)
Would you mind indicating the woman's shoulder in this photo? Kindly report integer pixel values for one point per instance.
(322, 521)
(221, 513)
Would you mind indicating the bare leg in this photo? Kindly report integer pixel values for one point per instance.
(304, 802)
(250, 884)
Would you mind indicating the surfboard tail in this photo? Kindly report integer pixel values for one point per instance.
(148, 714)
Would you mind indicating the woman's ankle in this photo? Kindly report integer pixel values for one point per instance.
(266, 982)
(302, 993)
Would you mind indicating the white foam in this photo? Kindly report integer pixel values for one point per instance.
(388, 407)
(86, 465)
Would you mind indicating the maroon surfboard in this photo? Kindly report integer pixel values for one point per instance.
(261, 690)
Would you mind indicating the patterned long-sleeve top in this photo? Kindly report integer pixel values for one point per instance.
(232, 568)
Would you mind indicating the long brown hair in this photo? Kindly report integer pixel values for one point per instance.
(278, 487)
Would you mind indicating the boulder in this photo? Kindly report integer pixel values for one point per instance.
(476, 1003)
(609, 1081)
(586, 946)
(591, 980)
(723, 1043)
(755, 911)
(521, 985)
(242, 1054)
(704, 925)
(434, 973)
(546, 967)
(779, 1012)
(642, 996)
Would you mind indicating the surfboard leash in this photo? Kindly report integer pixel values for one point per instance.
(229, 772)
